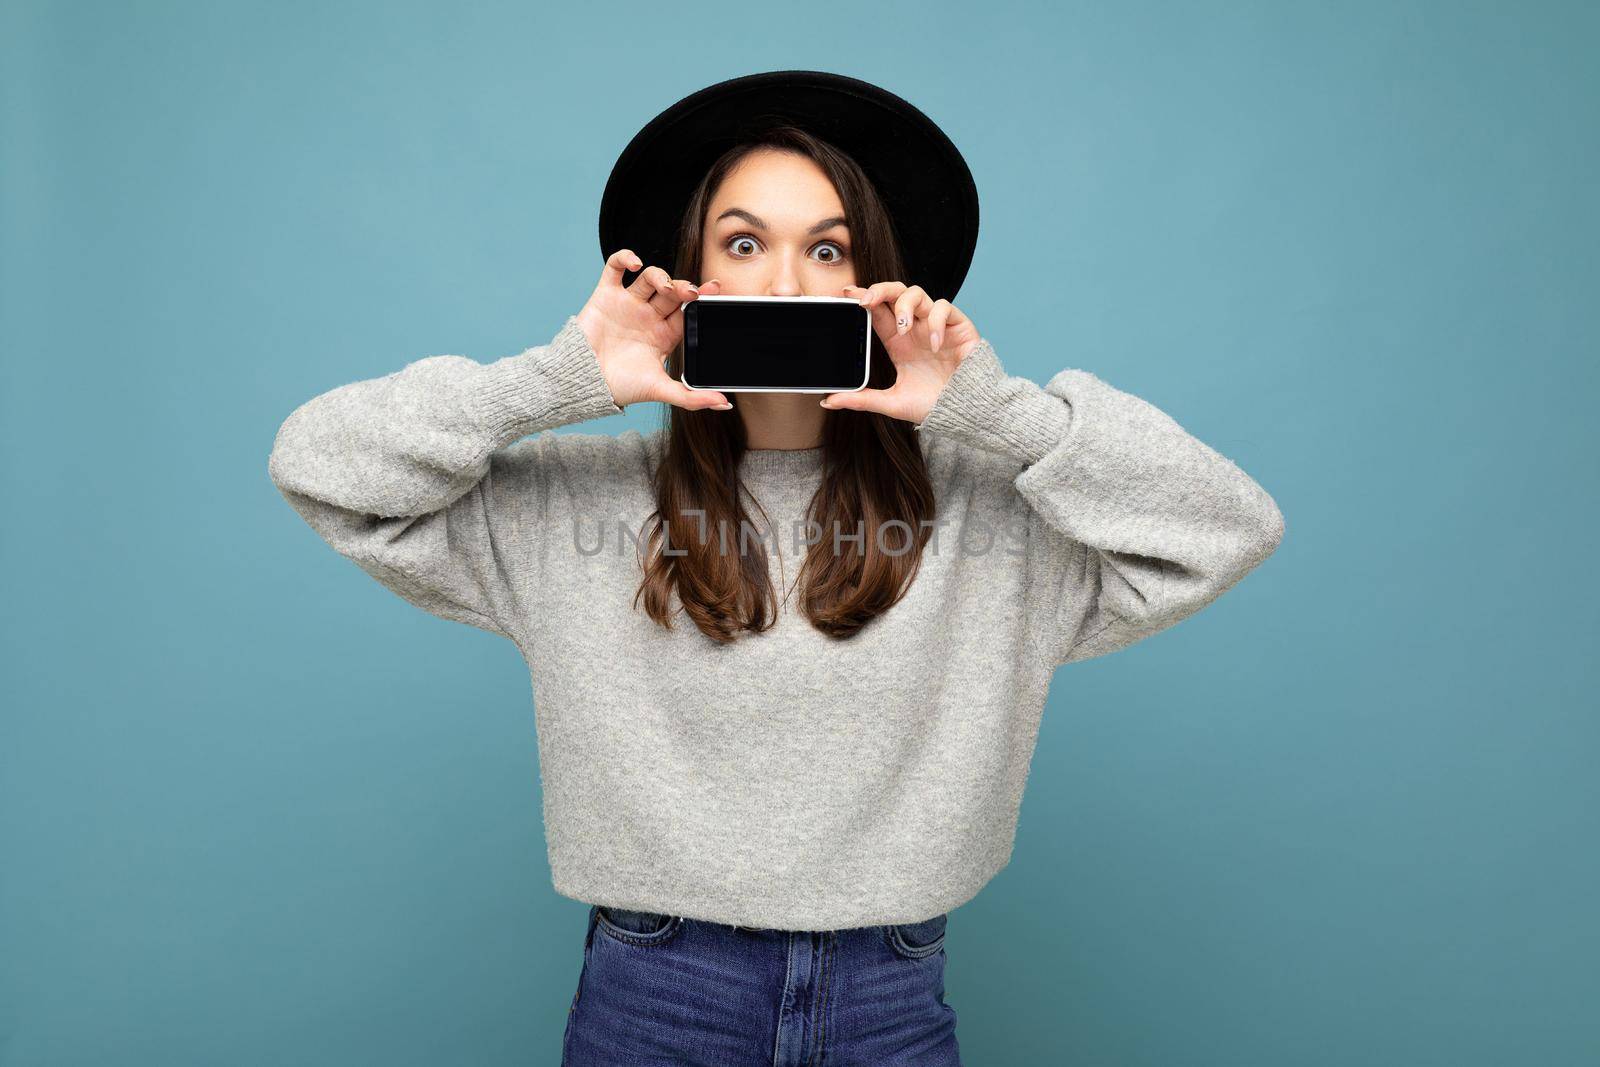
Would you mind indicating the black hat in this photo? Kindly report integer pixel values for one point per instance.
(923, 181)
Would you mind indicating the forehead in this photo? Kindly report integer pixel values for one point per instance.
(781, 187)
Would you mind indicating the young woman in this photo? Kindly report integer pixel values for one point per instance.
(772, 764)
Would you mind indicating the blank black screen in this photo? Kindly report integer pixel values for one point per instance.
(775, 344)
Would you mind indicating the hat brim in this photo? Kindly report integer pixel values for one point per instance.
(923, 180)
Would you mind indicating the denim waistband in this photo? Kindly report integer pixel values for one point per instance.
(648, 919)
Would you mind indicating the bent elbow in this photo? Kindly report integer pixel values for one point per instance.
(1271, 529)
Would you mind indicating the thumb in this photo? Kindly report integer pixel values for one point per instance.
(856, 400)
(676, 393)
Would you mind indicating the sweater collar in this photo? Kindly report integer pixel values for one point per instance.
(781, 465)
(765, 466)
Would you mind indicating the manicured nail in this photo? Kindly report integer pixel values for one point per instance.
(933, 339)
(721, 407)
(824, 402)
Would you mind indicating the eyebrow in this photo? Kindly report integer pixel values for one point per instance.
(758, 223)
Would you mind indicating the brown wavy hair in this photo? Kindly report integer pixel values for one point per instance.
(873, 471)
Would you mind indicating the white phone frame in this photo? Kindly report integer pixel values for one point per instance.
(789, 299)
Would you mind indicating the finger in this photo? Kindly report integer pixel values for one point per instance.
(957, 316)
(648, 283)
(675, 317)
(910, 306)
(679, 292)
(658, 289)
(872, 298)
(937, 319)
(883, 322)
(619, 263)
(876, 294)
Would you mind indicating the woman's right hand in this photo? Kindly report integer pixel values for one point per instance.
(632, 332)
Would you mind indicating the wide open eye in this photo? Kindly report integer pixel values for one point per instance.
(740, 242)
(838, 252)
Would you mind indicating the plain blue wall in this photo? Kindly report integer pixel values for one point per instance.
(255, 809)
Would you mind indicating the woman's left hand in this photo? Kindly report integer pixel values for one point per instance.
(926, 339)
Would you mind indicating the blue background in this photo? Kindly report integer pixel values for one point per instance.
(255, 809)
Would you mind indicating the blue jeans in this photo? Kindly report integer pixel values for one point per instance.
(660, 990)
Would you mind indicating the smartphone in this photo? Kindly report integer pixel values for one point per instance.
(776, 344)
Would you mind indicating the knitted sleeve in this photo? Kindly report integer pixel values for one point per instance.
(1137, 523)
(416, 476)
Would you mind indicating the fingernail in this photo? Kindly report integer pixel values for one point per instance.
(824, 402)
(721, 407)
(933, 339)
(694, 288)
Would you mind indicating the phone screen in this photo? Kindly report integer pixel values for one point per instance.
(776, 344)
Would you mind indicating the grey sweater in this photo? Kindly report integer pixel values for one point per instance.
(785, 780)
